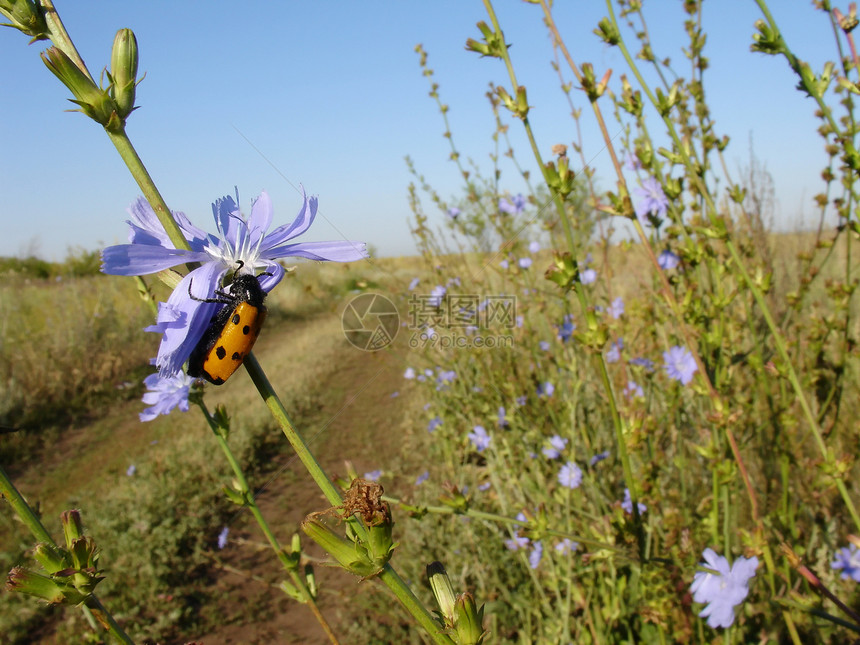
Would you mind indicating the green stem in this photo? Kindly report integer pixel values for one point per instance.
(388, 575)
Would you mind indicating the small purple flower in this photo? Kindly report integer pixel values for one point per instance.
(614, 353)
(520, 322)
(848, 559)
(616, 309)
(479, 438)
(423, 477)
(166, 393)
(544, 345)
(668, 260)
(130, 471)
(413, 284)
(436, 295)
(570, 475)
(566, 546)
(556, 445)
(455, 281)
(525, 263)
(631, 161)
(633, 389)
(504, 264)
(503, 421)
(446, 376)
(373, 475)
(409, 373)
(565, 332)
(588, 276)
(600, 456)
(545, 389)
(653, 200)
(627, 504)
(516, 543)
(722, 588)
(534, 247)
(241, 245)
(484, 486)
(222, 537)
(647, 363)
(435, 422)
(513, 206)
(521, 400)
(536, 554)
(453, 212)
(679, 364)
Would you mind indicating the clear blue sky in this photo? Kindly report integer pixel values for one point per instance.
(332, 95)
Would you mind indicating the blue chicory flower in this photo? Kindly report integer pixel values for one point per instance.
(479, 438)
(534, 247)
(435, 422)
(848, 559)
(453, 212)
(436, 295)
(633, 389)
(536, 554)
(546, 389)
(222, 537)
(679, 364)
(647, 363)
(373, 475)
(504, 264)
(413, 284)
(166, 393)
(587, 276)
(544, 345)
(627, 504)
(570, 475)
(600, 456)
(653, 200)
(241, 245)
(409, 373)
(521, 400)
(614, 353)
(423, 477)
(131, 470)
(616, 309)
(566, 546)
(668, 260)
(524, 263)
(723, 588)
(503, 421)
(556, 445)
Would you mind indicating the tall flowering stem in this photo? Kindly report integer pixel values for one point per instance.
(588, 311)
(92, 606)
(749, 281)
(248, 500)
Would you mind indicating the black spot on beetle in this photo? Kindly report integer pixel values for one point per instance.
(220, 352)
(237, 356)
(236, 319)
(246, 330)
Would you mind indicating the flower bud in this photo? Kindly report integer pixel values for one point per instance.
(123, 71)
(93, 101)
(442, 590)
(34, 584)
(73, 527)
(50, 558)
(468, 620)
(26, 16)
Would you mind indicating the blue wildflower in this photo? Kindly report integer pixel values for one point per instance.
(653, 200)
(436, 295)
(570, 475)
(479, 438)
(616, 309)
(587, 276)
(566, 546)
(565, 332)
(627, 504)
(723, 588)
(556, 445)
(545, 389)
(413, 284)
(536, 554)
(222, 537)
(544, 345)
(848, 559)
(435, 422)
(600, 456)
(668, 260)
(131, 470)
(166, 393)
(534, 247)
(633, 389)
(525, 263)
(423, 477)
(503, 421)
(373, 475)
(453, 212)
(679, 364)
(409, 373)
(614, 353)
(647, 363)
(504, 264)
(241, 245)
(521, 400)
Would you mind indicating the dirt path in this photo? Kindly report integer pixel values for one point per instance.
(359, 421)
